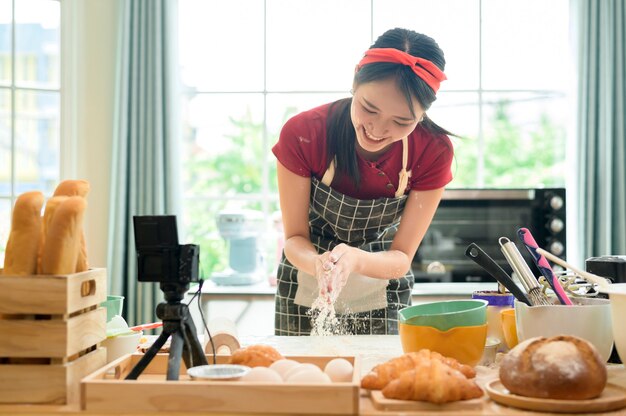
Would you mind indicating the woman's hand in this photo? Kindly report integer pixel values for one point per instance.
(333, 269)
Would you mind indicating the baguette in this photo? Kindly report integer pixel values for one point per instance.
(62, 243)
(51, 206)
(72, 187)
(76, 187)
(24, 239)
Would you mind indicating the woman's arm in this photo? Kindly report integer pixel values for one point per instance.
(394, 263)
(294, 192)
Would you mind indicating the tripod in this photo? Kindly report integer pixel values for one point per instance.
(178, 323)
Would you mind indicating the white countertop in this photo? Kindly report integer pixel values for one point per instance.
(420, 289)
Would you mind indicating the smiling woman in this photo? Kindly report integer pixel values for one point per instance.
(359, 181)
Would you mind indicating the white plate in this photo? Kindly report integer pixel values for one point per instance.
(220, 372)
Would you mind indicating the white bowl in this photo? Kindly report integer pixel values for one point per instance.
(121, 345)
(588, 318)
(617, 297)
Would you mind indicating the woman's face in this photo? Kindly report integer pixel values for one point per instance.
(381, 115)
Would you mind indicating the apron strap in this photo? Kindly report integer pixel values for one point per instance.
(404, 174)
(327, 179)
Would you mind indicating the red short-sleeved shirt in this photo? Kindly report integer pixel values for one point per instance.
(301, 148)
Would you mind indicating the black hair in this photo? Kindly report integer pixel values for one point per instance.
(339, 128)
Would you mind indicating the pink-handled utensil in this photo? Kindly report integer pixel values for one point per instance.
(146, 326)
(542, 264)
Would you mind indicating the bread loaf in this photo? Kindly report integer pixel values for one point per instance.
(561, 367)
(72, 187)
(22, 248)
(62, 242)
(51, 206)
(76, 187)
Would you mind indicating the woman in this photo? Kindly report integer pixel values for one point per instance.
(347, 172)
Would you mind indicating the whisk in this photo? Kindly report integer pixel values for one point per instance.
(526, 276)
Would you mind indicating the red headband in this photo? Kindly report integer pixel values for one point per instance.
(424, 69)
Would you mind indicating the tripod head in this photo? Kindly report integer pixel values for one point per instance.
(174, 292)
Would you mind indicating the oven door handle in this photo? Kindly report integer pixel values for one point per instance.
(478, 255)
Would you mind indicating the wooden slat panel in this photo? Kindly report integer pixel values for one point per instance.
(47, 383)
(52, 295)
(54, 338)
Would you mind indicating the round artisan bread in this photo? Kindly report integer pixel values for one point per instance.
(561, 367)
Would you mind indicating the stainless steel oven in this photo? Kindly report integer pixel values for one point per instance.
(483, 216)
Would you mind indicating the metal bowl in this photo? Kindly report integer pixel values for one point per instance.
(221, 372)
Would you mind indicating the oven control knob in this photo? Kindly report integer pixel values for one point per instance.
(556, 202)
(556, 225)
(556, 248)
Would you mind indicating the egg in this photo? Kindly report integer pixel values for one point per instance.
(308, 375)
(339, 370)
(262, 375)
(300, 367)
(282, 366)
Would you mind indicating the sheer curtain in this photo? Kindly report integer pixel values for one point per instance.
(144, 156)
(601, 129)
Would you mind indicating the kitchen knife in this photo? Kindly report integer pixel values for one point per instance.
(528, 240)
(478, 255)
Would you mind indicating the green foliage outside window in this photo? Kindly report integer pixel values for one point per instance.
(510, 159)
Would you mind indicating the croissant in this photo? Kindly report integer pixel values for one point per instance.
(383, 373)
(257, 355)
(433, 382)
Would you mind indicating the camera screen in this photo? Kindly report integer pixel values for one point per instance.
(155, 231)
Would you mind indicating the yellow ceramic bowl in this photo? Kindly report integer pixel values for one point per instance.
(465, 343)
(509, 327)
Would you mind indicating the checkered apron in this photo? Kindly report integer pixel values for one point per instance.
(370, 225)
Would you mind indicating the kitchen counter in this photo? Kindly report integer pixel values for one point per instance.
(372, 350)
(251, 307)
(263, 290)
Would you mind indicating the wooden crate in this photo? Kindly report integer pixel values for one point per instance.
(50, 329)
(107, 391)
(48, 383)
(52, 295)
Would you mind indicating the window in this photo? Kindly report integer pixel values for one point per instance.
(29, 102)
(248, 65)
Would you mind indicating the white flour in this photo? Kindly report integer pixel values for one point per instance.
(325, 321)
(560, 354)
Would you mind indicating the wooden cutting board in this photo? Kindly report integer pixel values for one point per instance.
(380, 402)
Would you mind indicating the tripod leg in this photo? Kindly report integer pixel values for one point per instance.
(148, 356)
(176, 350)
(192, 352)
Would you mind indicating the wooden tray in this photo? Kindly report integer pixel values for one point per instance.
(380, 402)
(613, 397)
(107, 391)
